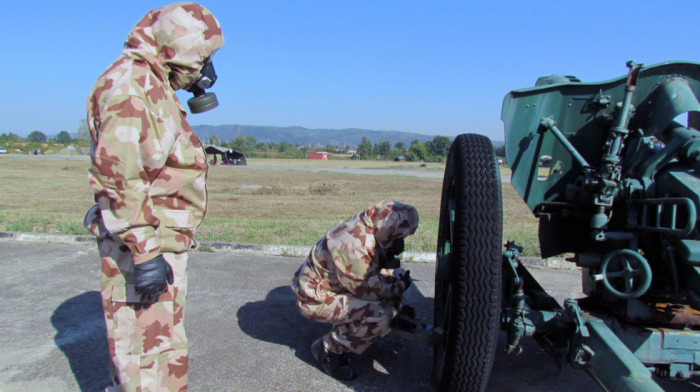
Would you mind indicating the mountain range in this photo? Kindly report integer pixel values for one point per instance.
(305, 136)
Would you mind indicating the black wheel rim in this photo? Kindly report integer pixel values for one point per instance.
(443, 298)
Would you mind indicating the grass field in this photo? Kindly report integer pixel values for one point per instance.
(267, 206)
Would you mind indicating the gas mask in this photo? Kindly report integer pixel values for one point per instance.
(389, 259)
(202, 101)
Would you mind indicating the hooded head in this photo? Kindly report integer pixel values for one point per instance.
(391, 220)
(177, 41)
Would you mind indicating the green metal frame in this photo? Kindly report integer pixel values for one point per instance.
(615, 180)
(586, 341)
(580, 111)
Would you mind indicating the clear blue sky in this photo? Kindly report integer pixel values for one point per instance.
(431, 67)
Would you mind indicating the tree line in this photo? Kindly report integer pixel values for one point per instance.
(430, 151)
(62, 137)
(37, 141)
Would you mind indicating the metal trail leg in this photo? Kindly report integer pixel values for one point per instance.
(613, 365)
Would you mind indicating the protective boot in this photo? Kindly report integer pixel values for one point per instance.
(335, 365)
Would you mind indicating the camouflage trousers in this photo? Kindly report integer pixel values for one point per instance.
(147, 343)
(356, 322)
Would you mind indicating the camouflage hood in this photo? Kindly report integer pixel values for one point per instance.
(390, 220)
(176, 41)
(347, 259)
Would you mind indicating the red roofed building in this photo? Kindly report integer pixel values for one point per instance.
(322, 155)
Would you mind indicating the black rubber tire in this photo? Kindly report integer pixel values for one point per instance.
(468, 298)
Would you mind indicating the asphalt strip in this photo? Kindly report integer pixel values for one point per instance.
(264, 249)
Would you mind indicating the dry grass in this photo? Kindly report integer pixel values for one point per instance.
(36, 185)
(248, 205)
(344, 163)
(519, 224)
(305, 205)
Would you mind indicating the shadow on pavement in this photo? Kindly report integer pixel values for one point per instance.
(82, 336)
(288, 327)
(379, 367)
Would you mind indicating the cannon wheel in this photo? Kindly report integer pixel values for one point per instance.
(468, 269)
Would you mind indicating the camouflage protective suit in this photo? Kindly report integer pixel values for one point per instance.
(148, 171)
(342, 283)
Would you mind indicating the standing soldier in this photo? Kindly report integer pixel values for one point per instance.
(346, 281)
(148, 173)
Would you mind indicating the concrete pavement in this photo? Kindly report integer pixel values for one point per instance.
(244, 331)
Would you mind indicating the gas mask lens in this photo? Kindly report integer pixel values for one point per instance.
(203, 101)
(208, 76)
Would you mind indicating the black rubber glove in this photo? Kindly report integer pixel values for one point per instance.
(406, 279)
(150, 279)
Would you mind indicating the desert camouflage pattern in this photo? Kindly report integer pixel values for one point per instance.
(147, 344)
(341, 281)
(148, 168)
(148, 171)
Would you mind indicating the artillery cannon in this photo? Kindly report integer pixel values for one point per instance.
(614, 179)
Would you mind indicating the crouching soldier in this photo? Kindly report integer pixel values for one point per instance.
(345, 282)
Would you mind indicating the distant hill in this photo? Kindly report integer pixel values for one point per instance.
(305, 136)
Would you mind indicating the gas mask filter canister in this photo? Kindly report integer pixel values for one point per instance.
(203, 101)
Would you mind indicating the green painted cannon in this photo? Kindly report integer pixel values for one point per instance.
(612, 171)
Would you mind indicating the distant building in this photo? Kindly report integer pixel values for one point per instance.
(352, 151)
(402, 159)
(321, 155)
